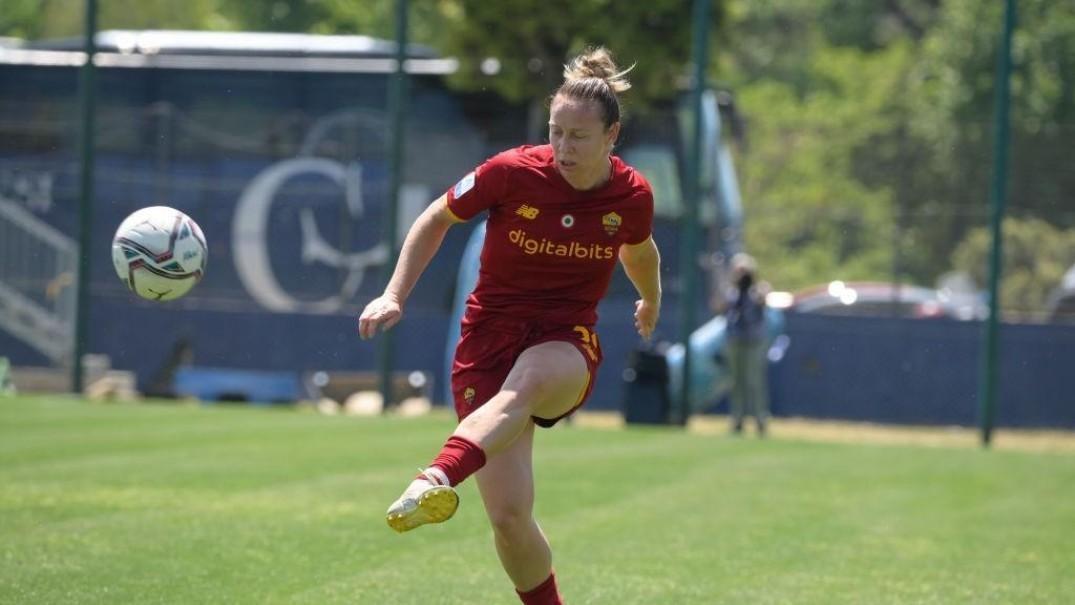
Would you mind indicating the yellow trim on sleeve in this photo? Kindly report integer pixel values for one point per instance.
(448, 208)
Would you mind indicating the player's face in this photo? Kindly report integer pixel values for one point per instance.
(580, 142)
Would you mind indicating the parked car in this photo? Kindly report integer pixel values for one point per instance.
(876, 299)
(1061, 303)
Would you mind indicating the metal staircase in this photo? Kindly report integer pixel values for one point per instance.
(38, 270)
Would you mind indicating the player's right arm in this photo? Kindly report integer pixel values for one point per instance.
(422, 242)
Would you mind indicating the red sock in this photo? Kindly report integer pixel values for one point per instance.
(544, 594)
(459, 459)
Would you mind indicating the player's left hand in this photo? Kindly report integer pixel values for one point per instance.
(646, 314)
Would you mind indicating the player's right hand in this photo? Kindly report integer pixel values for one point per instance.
(646, 314)
(381, 313)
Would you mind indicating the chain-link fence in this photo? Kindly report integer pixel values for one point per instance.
(847, 186)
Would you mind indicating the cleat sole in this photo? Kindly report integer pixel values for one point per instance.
(435, 505)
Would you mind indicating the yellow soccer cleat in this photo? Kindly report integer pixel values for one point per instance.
(421, 503)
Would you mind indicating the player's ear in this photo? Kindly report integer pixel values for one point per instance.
(613, 133)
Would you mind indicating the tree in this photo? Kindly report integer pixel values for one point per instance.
(808, 217)
(926, 148)
(34, 19)
(21, 19)
(950, 102)
(1036, 255)
(374, 18)
(531, 42)
(826, 120)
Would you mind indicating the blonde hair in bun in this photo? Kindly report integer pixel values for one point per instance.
(597, 62)
(594, 76)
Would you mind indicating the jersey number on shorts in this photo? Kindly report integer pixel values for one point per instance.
(589, 341)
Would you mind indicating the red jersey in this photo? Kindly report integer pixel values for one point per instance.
(550, 249)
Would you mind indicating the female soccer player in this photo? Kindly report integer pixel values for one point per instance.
(559, 217)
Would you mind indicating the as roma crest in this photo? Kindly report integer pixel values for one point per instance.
(611, 222)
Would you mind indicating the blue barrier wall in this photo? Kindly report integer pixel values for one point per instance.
(922, 371)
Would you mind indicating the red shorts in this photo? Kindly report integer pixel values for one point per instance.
(488, 350)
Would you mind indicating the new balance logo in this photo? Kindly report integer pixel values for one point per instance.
(527, 212)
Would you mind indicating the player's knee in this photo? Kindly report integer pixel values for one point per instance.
(510, 520)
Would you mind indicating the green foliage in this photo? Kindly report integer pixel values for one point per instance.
(34, 19)
(1035, 257)
(21, 18)
(271, 15)
(809, 217)
(533, 41)
(951, 102)
(872, 26)
(896, 99)
(369, 17)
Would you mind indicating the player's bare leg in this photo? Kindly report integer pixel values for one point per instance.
(547, 381)
(506, 484)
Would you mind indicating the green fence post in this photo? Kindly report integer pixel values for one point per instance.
(397, 98)
(998, 198)
(87, 95)
(688, 223)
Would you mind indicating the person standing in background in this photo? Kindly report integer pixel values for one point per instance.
(746, 345)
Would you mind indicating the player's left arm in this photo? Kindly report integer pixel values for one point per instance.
(642, 263)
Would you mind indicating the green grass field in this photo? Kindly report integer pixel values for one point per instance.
(164, 503)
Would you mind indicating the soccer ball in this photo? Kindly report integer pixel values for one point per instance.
(159, 252)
